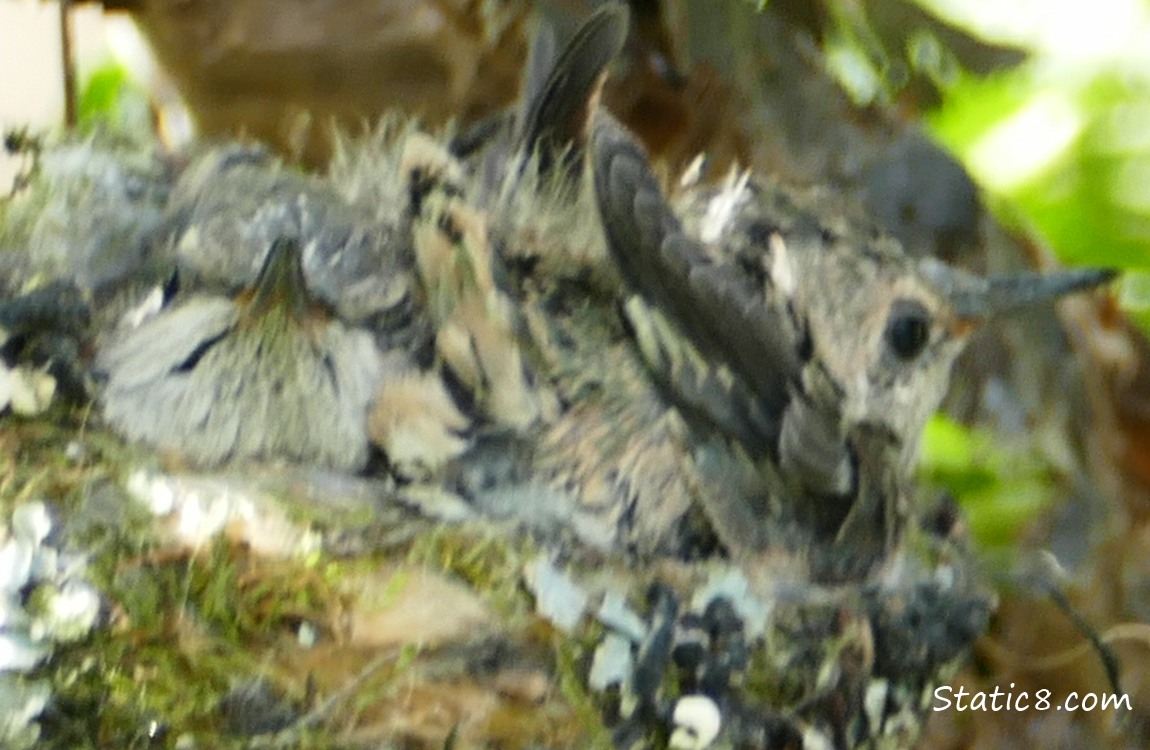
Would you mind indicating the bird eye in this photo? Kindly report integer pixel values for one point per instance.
(907, 329)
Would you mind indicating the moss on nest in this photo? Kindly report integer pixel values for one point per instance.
(182, 628)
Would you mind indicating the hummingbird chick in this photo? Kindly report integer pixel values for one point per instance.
(268, 374)
(776, 357)
(813, 343)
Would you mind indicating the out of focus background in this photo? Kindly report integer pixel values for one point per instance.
(993, 135)
(31, 66)
(1045, 103)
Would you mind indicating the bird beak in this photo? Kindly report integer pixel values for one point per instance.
(975, 299)
(281, 281)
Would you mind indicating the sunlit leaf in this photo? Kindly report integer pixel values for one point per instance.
(112, 100)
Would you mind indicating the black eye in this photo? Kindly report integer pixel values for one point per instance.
(907, 329)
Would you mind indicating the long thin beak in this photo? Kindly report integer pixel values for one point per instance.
(281, 281)
(975, 298)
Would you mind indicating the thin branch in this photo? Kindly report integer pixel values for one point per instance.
(68, 64)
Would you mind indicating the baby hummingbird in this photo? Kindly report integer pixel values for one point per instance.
(267, 374)
(814, 344)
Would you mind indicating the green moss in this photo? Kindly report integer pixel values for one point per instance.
(180, 628)
(488, 560)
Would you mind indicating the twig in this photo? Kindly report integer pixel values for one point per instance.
(67, 63)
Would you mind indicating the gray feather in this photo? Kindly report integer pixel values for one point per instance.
(812, 446)
(717, 307)
(163, 343)
(201, 382)
(559, 114)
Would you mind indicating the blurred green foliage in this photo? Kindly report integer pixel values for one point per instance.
(1002, 485)
(1047, 104)
(111, 101)
(1061, 147)
(1067, 163)
(1061, 142)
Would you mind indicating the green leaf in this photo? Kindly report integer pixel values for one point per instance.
(1001, 487)
(111, 100)
(100, 97)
